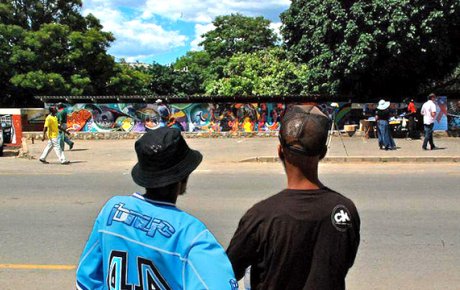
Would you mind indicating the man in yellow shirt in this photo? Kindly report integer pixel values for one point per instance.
(51, 130)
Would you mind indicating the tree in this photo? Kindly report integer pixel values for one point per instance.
(373, 48)
(162, 79)
(237, 33)
(265, 72)
(195, 71)
(31, 14)
(129, 80)
(48, 48)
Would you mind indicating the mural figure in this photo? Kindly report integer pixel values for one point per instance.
(453, 114)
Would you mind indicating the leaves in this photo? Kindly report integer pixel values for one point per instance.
(379, 48)
(265, 72)
(237, 33)
(47, 47)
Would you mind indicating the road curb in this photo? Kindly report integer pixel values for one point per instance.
(358, 159)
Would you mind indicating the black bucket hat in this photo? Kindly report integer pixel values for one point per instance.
(163, 158)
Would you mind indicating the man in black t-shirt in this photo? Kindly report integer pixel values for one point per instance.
(306, 236)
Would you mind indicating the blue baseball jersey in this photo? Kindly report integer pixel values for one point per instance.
(141, 244)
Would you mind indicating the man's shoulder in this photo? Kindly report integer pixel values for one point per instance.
(50, 119)
(268, 203)
(261, 210)
(279, 200)
(429, 103)
(339, 198)
(130, 205)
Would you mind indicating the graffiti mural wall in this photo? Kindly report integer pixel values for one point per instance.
(186, 117)
(196, 117)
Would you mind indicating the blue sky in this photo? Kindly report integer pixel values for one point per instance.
(163, 30)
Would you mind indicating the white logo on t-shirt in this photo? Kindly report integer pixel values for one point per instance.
(341, 218)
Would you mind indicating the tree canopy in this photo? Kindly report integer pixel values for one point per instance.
(381, 48)
(48, 47)
(237, 33)
(358, 48)
(265, 72)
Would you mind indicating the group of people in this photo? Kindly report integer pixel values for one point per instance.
(304, 237)
(55, 129)
(428, 111)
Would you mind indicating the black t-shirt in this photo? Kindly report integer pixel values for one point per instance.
(297, 239)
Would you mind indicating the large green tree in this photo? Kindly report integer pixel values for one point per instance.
(237, 33)
(373, 48)
(265, 72)
(49, 48)
(232, 34)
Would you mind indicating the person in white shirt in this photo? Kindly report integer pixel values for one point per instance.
(429, 113)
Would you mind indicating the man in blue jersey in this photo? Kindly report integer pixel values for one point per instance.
(144, 242)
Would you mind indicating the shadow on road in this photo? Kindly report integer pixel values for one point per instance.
(83, 149)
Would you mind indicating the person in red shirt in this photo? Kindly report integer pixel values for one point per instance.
(411, 107)
(411, 110)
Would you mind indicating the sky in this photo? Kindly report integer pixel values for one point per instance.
(163, 30)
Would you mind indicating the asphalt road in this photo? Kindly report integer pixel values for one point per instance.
(410, 237)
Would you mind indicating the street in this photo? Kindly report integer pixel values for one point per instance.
(409, 211)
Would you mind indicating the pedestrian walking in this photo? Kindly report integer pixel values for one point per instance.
(51, 130)
(306, 236)
(429, 113)
(383, 127)
(62, 120)
(145, 241)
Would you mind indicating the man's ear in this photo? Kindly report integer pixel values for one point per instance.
(280, 152)
(323, 152)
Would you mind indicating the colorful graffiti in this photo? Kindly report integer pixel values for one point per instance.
(205, 117)
(453, 115)
(196, 117)
(440, 122)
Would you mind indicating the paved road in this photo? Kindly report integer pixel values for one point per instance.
(409, 212)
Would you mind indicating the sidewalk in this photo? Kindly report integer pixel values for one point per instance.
(256, 149)
(360, 149)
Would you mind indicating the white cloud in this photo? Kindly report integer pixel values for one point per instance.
(145, 29)
(135, 38)
(276, 26)
(200, 29)
(204, 11)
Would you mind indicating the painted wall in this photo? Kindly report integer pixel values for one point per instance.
(440, 122)
(186, 117)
